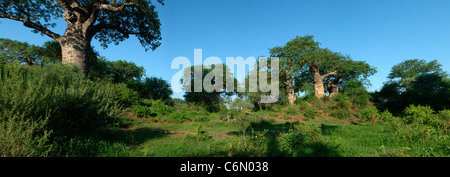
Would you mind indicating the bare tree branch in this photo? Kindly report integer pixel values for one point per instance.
(328, 74)
(30, 24)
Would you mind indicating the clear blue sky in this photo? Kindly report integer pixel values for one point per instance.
(381, 32)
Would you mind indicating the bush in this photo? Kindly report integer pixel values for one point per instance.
(341, 101)
(300, 138)
(444, 115)
(310, 131)
(387, 116)
(60, 92)
(21, 137)
(417, 132)
(178, 117)
(125, 95)
(142, 111)
(159, 107)
(340, 113)
(418, 114)
(253, 146)
(366, 114)
(292, 110)
(290, 141)
(340, 106)
(311, 113)
(199, 135)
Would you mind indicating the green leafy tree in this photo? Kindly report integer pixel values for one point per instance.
(292, 59)
(430, 89)
(22, 52)
(50, 53)
(109, 21)
(415, 82)
(122, 71)
(152, 88)
(254, 94)
(211, 99)
(303, 56)
(406, 71)
(348, 70)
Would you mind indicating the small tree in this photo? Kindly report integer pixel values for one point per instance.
(22, 52)
(205, 97)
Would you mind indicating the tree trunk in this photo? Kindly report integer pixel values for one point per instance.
(76, 51)
(333, 89)
(319, 91)
(76, 44)
(290, 88)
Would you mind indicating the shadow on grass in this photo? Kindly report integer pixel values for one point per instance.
(106, 143)
(307, 148)
(131, 136)
(328, 129)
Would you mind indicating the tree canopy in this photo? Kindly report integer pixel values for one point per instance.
(415, 82)
(408, 70)
(209, 98)
(23, 52)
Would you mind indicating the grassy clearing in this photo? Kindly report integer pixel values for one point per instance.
(222, 139)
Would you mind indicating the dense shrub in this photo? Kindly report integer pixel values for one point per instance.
(60, 92)
(290, 141)
(366, 114)
(310, 113)
(159, 107)
(299, 138)
(444, 115)
(387, 116)
(178, 117)
(254, 145)
(21, 137)
(292, 110)
(142, 111)
(418, 114)
(340, 106)
(198, 135)
(125, 95)
(340, 113)
(152, 88)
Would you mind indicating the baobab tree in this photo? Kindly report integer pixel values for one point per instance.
(107, 21)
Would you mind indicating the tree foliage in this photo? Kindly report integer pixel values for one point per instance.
(23, 52)
(407, 71)
(152, 88)
(415, 82)
(211, 99)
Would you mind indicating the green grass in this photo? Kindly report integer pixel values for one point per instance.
(146, 139)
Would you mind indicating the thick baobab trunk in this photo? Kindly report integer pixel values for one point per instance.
(290, 88)
(76, 52)
(333, 89)
(290, 92)
(319, 91)
(76, 42)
